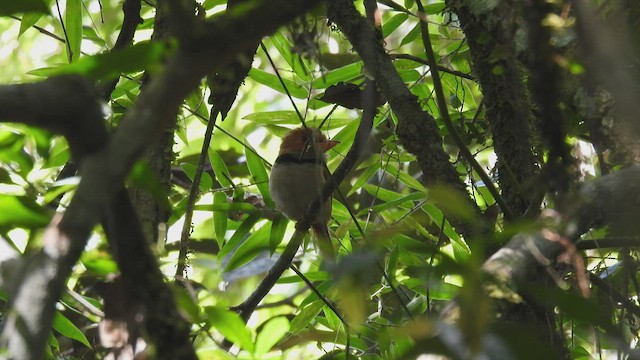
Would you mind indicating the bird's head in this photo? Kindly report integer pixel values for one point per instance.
(306, 141)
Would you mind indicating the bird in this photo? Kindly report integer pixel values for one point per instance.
(296, 179)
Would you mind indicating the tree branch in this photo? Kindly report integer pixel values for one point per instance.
(417, 130)
(59, 102)
(509, 114)
(604, 201)
(302, 228)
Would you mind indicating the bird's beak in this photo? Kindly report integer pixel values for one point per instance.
(328, 144)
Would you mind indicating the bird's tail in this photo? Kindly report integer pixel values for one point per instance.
(323, 241)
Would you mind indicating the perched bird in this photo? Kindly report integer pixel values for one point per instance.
(297, 177)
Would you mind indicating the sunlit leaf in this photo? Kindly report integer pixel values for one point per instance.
(65, 327)
(186, 304)
(305, 316)
(206, 183)
(220, 218)
(239, 235)
(345, 73)
(404, 177)
(295, 62)
(271, 333)
(273, 82)
(412, 35)
(310, 275)
(452, 202)
(226, 206)
(99, 263)
(73, 28)
(90, 34)
(230, 325)
(434, 8)
(28, 20)
(390, 25)
(142, 56)
(256, 243)
(259, 174)
(369, 170)
(219, 168)
(278, 228)
(461, 249)
(274, 117)
(21, 211)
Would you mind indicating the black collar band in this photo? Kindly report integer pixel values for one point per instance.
(296, 159)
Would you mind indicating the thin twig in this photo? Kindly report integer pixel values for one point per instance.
(440, 67)
(64, 30)
(329, 304)
(194, 191)
(284, 86)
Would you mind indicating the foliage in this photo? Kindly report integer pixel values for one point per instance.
(404, 258)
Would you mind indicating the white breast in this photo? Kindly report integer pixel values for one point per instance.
(293, 186)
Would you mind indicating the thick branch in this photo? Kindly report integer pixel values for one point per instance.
(508, 108)
(166, 328)
(67, 105)
(32, 304)
(605, 201)
(417, 129)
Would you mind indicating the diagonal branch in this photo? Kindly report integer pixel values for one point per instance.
(417, 130)
(62, 104)
(247, 307)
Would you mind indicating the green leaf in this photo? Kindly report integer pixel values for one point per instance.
(310, 275)
(10, 7)
(209, 4)
(250, 248)
(395, 203)
(271, 333)
(452, 202)
(27, 21)
(345, 137)
(286, 117)
(341, 74)
(434, 8)
(21, 211)
(305, 316)
(220, 218)
(461, 250)
(259, 174)
(411, 36)
(244, 207)
(90, 34)
(142, 56)
(274, 117)
(372, 166)
(274, 83)
(206, 183)
(220, 169)
(99, 263)
(186, 304)
(393, 23)
(295, 62)
(278, 228)
(405, 178)
(73, 27)
(229, 324)
(239, 234)
(65, 327)
(389, 196)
